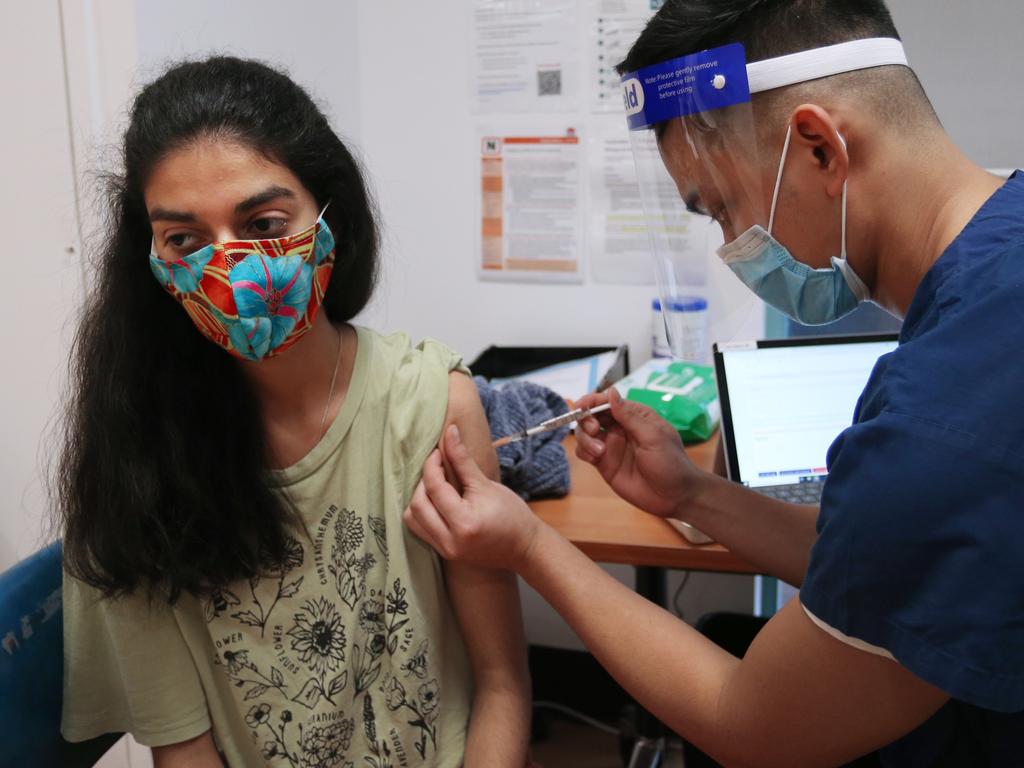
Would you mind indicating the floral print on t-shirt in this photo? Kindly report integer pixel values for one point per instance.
(325, 654)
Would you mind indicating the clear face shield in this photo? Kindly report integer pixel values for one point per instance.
(692, 129)
(700, 148)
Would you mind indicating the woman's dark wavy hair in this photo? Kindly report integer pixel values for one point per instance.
(161, 484)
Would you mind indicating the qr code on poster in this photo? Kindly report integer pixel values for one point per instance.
(549, 82)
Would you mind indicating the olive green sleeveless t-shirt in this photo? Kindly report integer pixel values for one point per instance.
(346, 655)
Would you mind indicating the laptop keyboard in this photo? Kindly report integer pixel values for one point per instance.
(797, 493)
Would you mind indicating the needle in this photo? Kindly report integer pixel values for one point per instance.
(552, 424)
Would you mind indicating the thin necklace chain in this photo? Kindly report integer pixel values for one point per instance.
(330, 394)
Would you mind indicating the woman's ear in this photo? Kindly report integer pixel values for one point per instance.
(818, 146)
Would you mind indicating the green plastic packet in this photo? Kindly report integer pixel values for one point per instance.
(684, 394)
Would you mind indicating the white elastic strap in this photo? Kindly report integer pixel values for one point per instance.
(825, 62)
(842, 254)
(778, 179)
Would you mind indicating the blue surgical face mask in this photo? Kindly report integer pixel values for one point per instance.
(809, 296)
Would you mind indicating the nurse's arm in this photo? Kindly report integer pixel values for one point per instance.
(773, 535)
(643, 460)
(799, 696)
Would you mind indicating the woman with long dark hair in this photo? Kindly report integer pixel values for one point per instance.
(239, 584)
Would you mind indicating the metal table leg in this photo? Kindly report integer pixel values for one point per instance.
(649, 751)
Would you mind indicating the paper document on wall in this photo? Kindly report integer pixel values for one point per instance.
(620, 245)
(530, 208)
(619, 225)
(525, 55)
(614, 27)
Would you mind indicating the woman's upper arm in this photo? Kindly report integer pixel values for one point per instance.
(485, 601)
(466, 412)
(199, 752)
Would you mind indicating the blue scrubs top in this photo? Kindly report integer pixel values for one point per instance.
(920, 548)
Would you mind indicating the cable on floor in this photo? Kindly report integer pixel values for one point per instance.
(679, 593)
(585, 719)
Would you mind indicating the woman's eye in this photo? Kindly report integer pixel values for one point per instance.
(180, 240)
(269, 227)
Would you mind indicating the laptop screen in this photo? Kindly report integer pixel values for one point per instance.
(785, 402)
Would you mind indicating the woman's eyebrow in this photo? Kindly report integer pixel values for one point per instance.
(270, 193)
(162, 214)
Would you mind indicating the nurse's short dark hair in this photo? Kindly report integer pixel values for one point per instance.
(770, 28)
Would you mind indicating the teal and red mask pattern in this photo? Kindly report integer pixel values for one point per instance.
(253, 298)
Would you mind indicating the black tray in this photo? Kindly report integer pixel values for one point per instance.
(506, 362)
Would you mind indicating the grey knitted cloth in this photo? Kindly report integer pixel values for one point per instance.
(537, 466)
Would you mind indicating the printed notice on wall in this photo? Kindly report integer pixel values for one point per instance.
(530, 210)
(615, 26)
(620, 225)
(620, 245)
(525, 55)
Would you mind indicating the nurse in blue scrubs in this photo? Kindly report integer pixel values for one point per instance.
(907, 640)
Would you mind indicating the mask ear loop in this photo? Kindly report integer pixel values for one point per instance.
(778, 179)
(842, 247)
(778, 186)
(858, 286)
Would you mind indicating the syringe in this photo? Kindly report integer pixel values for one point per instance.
(552, 424)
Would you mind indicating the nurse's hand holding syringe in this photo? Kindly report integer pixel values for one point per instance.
(638, 453)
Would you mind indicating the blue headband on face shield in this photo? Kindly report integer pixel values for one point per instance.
(685, 86)
(721, 77)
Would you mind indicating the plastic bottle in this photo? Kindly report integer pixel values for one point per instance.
(687, 316)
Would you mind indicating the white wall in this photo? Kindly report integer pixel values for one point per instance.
(69, 64)
(41, 272)
(99, 48)
(968, 57)
(315, 40)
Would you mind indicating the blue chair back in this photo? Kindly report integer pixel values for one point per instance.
(31, 651)
(31, 667)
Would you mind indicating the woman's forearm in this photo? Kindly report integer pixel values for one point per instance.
(199, 752)
(499, 725)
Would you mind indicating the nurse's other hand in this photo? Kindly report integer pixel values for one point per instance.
(638, 454)
(486, 525)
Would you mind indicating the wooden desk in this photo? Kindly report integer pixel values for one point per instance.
(609, 530)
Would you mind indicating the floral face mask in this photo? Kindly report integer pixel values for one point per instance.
(254, 298)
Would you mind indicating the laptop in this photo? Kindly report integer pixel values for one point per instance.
(783, 404)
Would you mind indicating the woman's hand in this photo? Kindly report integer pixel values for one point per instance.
(487, 524)
(638, 454)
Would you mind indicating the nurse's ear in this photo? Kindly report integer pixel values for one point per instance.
(817, 149)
